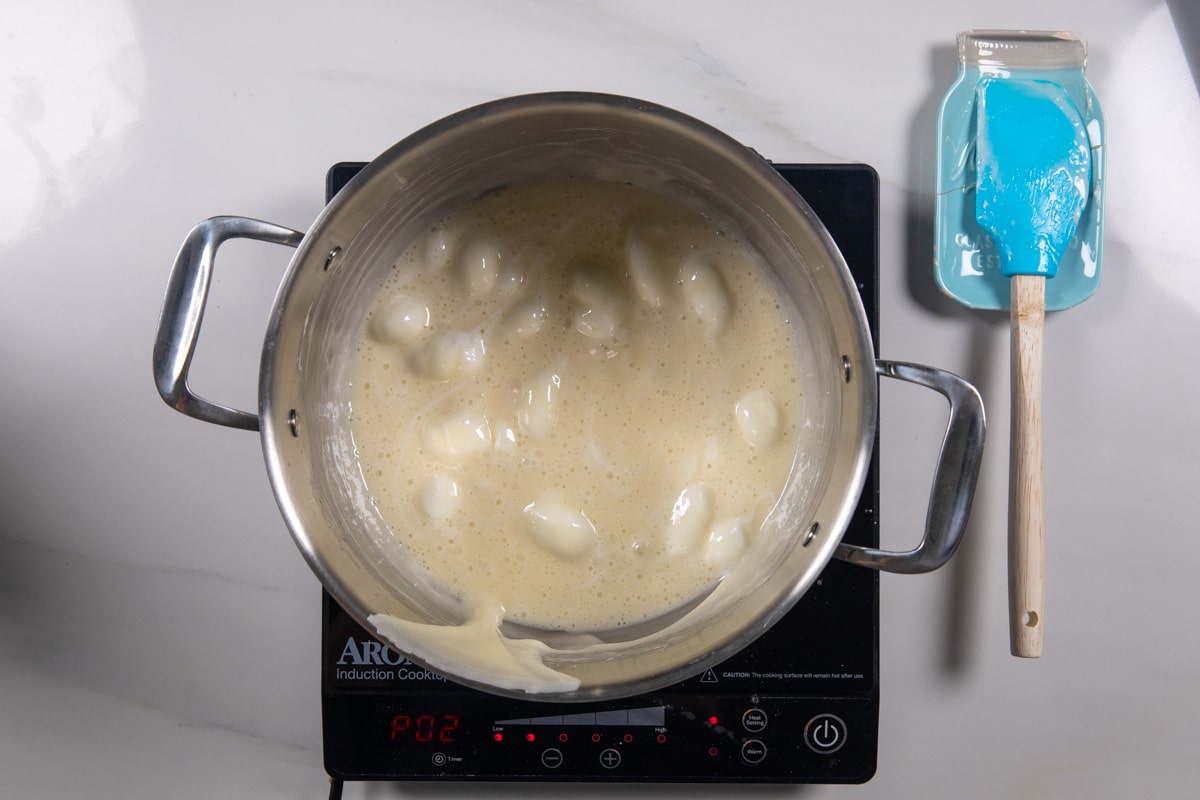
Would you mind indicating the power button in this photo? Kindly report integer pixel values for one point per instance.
(825, 733)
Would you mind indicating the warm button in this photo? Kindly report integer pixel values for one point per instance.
(753, 751)
(754, 720)
(825, 733)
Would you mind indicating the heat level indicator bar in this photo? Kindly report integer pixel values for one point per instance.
(650, 717)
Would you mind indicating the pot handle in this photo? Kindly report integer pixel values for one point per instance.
(183, 309)
(953, 480)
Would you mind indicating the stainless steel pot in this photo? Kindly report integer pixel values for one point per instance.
(340, 262)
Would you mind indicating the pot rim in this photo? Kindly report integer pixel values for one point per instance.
(380, 177)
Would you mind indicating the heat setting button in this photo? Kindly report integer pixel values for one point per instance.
(825, 733)
(754, 720)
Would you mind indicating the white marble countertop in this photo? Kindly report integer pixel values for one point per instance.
(158, 630)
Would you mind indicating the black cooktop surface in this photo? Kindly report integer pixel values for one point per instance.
(799, 705)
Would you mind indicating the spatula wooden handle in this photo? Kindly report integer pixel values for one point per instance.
(1026, 529)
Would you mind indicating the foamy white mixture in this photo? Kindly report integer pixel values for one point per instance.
(575, 402)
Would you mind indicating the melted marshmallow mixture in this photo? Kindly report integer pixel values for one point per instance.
(575, 402)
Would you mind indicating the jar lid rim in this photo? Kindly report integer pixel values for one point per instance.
(1022, 49)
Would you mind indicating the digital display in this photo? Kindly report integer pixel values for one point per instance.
(424, 728)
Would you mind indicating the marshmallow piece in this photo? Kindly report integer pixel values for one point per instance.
(525, 318)
(705, 292)
(726, 543)
(439, 248)
(690, 517)
(479, 267)
(400, 320)
(512, 276)
(599, 309)
(506, 438)
(538, 404)
(644, 261)
(440, 497)
(457, 437)
(758, 418)
(448, 355)
(560, 529)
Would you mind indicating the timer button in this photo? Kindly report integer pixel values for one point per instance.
(825, 733)
(753, 751)
(754, 720)
(552, 758)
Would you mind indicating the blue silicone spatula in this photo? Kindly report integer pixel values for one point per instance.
(1033, 163)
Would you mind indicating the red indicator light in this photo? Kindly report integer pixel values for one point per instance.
(499, 737)
(529, 737)
(662, 737)
(713, 720)
(562, 737)
(628, 738)
(712, 751)
(595, 737)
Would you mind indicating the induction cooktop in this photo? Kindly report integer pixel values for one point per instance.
(799, 705)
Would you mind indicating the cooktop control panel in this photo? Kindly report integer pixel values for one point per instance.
(463, 735)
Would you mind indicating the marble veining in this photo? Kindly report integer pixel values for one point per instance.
(159, 631)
